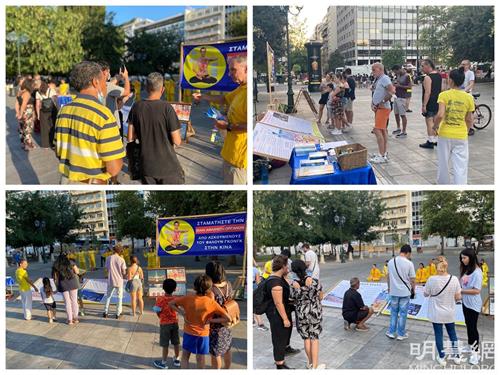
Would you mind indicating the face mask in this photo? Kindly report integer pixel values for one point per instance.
(100, 97)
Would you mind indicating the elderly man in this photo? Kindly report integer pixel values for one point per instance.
(155, 124)
(234, 151)
(469, 82)
(89, 147)
(354, 309)
(383, 90)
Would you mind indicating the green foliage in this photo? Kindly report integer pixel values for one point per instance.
(153, 52)
(480, 205)
(131, 218)
(268, 26)
(24, 209)
(335, 60)
(237, 25)
(451, 34)
(393, 56)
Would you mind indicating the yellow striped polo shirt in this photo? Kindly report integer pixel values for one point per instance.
(87, 136)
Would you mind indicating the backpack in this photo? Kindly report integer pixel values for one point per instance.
(260, 299)
(231, 306)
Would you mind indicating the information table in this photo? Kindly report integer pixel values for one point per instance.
(358, 176)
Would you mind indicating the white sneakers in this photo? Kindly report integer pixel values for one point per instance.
(378, 159)
(336, 132)
(441, 361)
(474, 359)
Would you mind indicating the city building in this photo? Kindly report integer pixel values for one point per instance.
(397, 218)
(95, 215)
(326, 32)
(137, 25)
(363, 33)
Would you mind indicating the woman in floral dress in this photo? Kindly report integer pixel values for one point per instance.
(306, 293)
(220, 336)
(25, 114)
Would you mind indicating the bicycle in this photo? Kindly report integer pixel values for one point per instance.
(482, 113)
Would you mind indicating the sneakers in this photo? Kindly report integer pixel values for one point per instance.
(396, 132)
(321, 366)
(336, 132)
(362, 329)
(347, 325)
(466, 349)
(283, 367)
(427, 144)
(262, 328)
(409, 110)
(160, 364)
(291, 351)
(401, 135)
(401, 338)
(177, 362)
(471, 131)
(104, 314)
(474, 359)
(347, 128)
(378, 159)
(390, 335)
(457, 359)
(441, 361)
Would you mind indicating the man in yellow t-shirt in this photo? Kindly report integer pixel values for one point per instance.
(452, 124)
(25, 285)
(234, 151)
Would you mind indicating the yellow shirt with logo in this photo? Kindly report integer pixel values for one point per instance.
(21, 276)
(234, 150)
(458, 103)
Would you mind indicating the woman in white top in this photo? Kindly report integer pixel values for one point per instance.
(46, 109)
(443, 291)
(135, 274)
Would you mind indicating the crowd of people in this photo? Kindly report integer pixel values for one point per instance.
(447, 107)
(207, 322)
(87, 131)
(287, 286)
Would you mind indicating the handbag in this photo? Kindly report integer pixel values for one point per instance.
(231, 306)
(129, 284)
(412, 291)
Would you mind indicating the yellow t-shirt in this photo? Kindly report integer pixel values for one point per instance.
(458, 103)
(21, 275)
(63, 89)
(234, 150)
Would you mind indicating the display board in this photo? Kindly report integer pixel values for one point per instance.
(419, 305)
(36, 296)
(217, 234)
(155, 277)
(276, 143)
(183, 112)
(373, 294)
(94, 291)
(287, 122)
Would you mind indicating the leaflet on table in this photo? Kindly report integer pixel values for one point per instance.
(314, 170)
(277, 143)
(287, 122)
(332, 145)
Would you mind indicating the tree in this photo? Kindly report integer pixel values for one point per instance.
(52, 39)
(237, 25)
(336, 60)
(153, 52)
(434, 40)
(442, 215)
(479, 206)
(131, 218)
(393, 56)
(268, 26)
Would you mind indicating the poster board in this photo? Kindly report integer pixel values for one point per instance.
(312, 105)
(489, 303)
(276, 143)
(155, 277)
(94, 291)
(419, 305)
(214, 234)
(287, 122)
(373, 294)
(183, 112)
(36, 296)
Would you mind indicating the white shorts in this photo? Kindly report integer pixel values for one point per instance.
(400, 106)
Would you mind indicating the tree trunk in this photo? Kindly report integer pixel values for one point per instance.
(442, 245)
(133, 245)
(359, 246)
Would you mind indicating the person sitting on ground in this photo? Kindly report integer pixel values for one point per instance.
(422, 274)
(169, 326)
(385, 270)
(354, 309)
(375, 274)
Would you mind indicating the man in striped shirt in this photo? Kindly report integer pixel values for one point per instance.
(89, 146)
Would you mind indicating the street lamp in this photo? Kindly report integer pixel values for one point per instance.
(417, 62)
(289, 94)
(19, 39)
(340, 221)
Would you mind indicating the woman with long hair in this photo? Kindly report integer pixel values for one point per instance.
(471, 280)
(443, 291)
(220, 336)
(136, 275)
(25, 113)
(306, 293)
(46, 111)
(65, 275)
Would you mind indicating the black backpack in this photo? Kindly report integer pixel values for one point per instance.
(260, 298)
(47, 105)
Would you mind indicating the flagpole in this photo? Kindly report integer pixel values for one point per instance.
(181, 71)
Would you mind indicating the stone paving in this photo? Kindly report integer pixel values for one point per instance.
(408, 163)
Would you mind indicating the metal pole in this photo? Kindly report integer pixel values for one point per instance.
(289, 67)
(18, 44)
(417, 62)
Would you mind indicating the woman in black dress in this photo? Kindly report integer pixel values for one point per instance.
(306, 293)
(46, 109)
(220, 336)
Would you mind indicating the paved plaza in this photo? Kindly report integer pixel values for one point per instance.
(366, 350)
(98, 343)
(199, 158)
(408, 163)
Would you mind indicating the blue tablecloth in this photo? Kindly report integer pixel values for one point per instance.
(9, 281)
(358, 176)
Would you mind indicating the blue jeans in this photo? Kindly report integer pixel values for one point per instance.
(399, 312)
(438, 333)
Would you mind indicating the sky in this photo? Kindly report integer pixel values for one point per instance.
(126, 13)
(314, 11)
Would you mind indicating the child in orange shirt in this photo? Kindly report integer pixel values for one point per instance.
(169, 326)
(198, 311)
